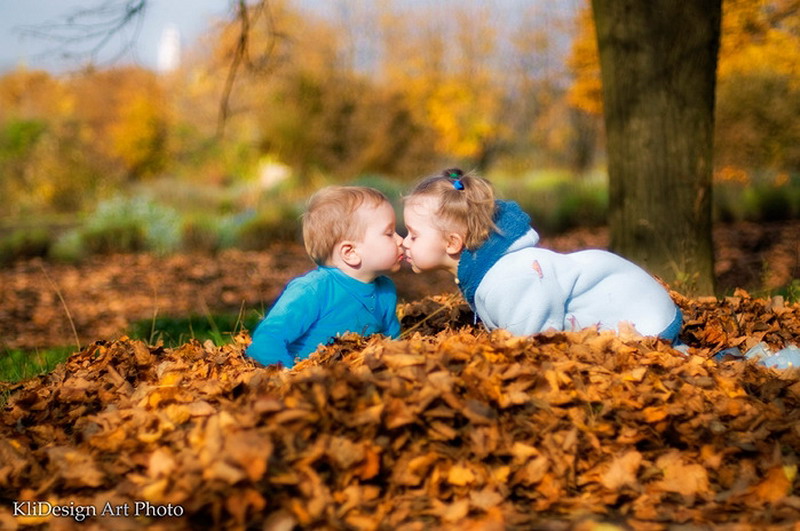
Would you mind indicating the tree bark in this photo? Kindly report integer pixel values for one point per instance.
(658, 61)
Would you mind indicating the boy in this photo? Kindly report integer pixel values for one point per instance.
(349, 232)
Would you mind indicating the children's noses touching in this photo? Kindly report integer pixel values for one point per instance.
(405, 243)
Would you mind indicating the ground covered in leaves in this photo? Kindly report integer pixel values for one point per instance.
(40, 301)
(105, 294)
(448, 427)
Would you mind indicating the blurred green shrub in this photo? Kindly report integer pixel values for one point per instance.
(228, 228)
(756, 120)
(585, 205)
(132, 224)
(201, 234)
(391, 188)
(556, 201)
(19, 137)
(68, 247)
(25, 243)
(764, 196)
(791, 291)
(123, 225)
(47, 167)
(278, 222)
(767, 203)
(727, 202)
(121, 236)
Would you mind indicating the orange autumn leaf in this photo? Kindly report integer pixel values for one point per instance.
(372, 463)
(460, 476)
(623, 471)
(777, 485)
(684, 478)
(655, 413)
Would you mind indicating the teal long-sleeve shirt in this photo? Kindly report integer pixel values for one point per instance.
(318, 306)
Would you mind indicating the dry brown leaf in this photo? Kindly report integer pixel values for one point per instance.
(776, 485)
(460, 475)
(688, 479)
(623, 471)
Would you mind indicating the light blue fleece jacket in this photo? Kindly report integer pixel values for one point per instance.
(318, 306)
(513, 284)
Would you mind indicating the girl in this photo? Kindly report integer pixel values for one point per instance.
(455, 223)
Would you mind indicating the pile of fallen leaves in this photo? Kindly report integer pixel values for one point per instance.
(450, 426)
(739, 321)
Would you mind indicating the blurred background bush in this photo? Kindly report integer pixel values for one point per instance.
(126, 159)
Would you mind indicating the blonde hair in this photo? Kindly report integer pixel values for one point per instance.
(464, 200)
(330, 218)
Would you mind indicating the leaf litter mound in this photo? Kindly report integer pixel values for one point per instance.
(449, 427)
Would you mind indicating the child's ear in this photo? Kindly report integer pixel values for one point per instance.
(348, 253)
(454, 243)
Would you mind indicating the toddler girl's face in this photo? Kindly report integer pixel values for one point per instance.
(425, 245)
(381, 250)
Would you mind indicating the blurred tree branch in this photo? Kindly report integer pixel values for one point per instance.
(92, 29)
(261, 64)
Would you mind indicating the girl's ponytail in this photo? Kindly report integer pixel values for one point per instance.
(455, 175)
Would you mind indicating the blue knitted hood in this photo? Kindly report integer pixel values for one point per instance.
(512, 223)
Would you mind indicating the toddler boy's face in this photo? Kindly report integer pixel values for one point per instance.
(380, 248)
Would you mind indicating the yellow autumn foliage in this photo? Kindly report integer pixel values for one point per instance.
(585, 93)
(760, 36)
(138, 135)
(757, 36)
(462, 118)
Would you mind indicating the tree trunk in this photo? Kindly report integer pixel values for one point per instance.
(658, 61)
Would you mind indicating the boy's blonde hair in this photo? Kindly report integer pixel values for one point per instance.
(464, 200)
(330, 218)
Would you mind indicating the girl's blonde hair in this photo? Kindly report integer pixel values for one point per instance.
(330, 218)
(464, 200)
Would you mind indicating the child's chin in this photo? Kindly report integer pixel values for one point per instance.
(413, 266)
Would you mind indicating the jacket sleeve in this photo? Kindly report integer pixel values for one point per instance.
(521, 301)
(290, 317)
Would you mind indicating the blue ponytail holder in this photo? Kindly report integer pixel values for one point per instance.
(457, 184)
